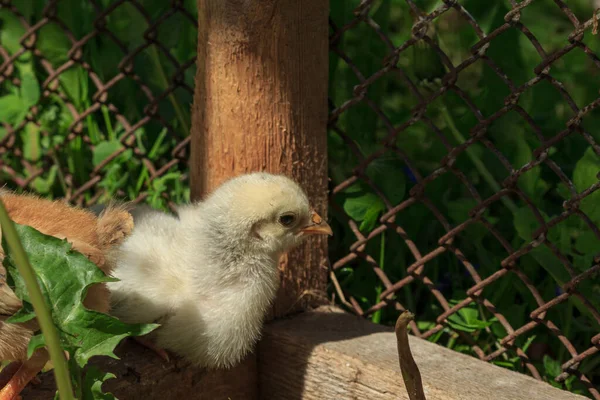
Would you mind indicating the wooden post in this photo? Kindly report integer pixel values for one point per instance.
(261, 105)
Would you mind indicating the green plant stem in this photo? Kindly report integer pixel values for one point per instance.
(452, 341)
(76, 159)
(479, 165)
(377, 314)
(59, 173)
(111, 132)
(567, 325)
(61, 371)
(165, 84)
(489, 331)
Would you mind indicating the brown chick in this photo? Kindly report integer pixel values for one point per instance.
(91, 236)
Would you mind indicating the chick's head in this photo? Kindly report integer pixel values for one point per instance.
(271, 212)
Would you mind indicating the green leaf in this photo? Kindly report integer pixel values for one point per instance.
(525, 223)
(357, 207)
(160, 184)
(75, 82)
(586, 170)
(506, 52)
(551, 367)
(104, 150)
(11, 31)
(587, 242)
(25, 314)
(30, 90)
(36, 342)
(12, 109)
(364, 208)
(587, 245)
(498, 330)
(25, 7)
(92, 384)
(388, 176)
(467, 320)
(458, 210)
(43, 185)
(371, 216)
(550, 263)
(355, 188)
(484, 13)
(64, 276)
(528, 343)
(456, 323)
(53, 44)
(469, 315)
(31, 142)
(531, 181)
(368, 52)
(584, 176)
(128, 24)
(425, 325)
(505, 364)
(563, 191)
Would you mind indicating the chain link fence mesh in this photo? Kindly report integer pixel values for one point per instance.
(464, 184)
(97, 95)
(538, 245)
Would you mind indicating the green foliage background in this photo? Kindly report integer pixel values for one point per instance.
(127, 176)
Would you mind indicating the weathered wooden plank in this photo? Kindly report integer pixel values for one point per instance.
(321, 355)
(333, 355)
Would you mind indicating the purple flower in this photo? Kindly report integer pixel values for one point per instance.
(558, 290)
(409, 174)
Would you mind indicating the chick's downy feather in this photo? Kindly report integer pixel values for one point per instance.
(209, 273)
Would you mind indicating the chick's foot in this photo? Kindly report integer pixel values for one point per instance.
(149, 344)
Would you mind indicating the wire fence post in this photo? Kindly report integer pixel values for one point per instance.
(260, 104)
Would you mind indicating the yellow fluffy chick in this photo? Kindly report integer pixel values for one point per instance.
(91, 236)
(209, 274)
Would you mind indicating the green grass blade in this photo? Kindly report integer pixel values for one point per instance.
(61, 371)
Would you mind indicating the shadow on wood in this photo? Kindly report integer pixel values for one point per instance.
(140, 374)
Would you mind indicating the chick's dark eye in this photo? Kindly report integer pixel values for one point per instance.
(287, 219)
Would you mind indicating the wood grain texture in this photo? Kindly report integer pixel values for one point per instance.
(333, 355)
(320, 355)
(140, 374)
(260, 104)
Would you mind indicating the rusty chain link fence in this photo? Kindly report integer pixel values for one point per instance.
(97, 94)
(463, 141)
(448, 175)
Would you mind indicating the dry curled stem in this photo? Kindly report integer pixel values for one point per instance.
(408, 367)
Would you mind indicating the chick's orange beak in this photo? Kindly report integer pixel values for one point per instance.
(316, 226)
